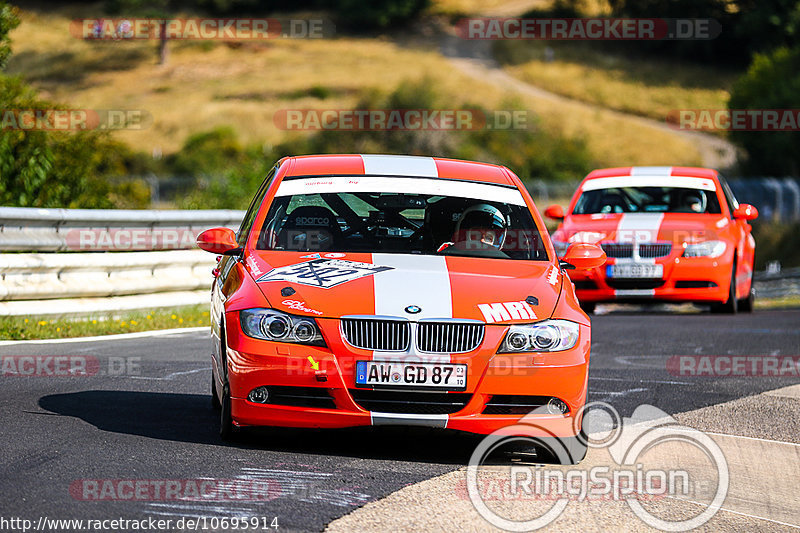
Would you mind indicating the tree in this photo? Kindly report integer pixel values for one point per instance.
(8, 21)
(772, 82)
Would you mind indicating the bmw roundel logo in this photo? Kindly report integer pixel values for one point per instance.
(413, 309)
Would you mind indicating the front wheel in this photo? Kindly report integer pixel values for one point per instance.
(729, 306)
(227, 431)
(214, 397)
(747, 304)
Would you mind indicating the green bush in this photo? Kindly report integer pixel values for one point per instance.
(57, 168)
(771, 82)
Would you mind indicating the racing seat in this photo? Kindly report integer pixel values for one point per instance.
(309, 229)
(612, 203)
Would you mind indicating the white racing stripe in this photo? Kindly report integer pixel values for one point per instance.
(637, 228)
(400, 165)
(419, 280)
(651, 171)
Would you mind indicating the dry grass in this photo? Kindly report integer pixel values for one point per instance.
(648, 88)
(206, 84)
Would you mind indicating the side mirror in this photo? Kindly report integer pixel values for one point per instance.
(556, 212)
(584, 256)
(218, 241)
(746, 212)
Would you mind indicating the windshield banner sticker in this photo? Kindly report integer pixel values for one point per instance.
(325, 273)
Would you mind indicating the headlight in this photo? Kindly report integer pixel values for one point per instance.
(274, 325)
(545, 336)
(561, 247)
(704, 249)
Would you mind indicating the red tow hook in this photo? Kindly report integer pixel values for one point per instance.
(321, 375)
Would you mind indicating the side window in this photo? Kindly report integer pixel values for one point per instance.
(729, 197)
(252, 211)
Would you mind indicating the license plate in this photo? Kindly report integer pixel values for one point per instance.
(396, 374)
(635, 270)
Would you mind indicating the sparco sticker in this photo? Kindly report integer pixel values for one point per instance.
(323, 273)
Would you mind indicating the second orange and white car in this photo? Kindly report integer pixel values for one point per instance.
(673, 234)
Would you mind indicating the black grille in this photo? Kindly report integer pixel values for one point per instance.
(647, 250)
(503, 404)
(585, 284)
(634, 283)
(618, 250)
(377, 334)
(694, 284)
(417, 403)
(655, 249)
(448, 337)
(315, 397)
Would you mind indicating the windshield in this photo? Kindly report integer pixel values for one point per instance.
(647, 200)
(401, 215)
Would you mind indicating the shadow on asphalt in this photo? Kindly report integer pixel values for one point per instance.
(190, 418)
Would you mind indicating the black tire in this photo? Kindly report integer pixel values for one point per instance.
(214, 398)
(747, 304)
(588, 307)
(566, 450)
(729, 306)
(227, 431)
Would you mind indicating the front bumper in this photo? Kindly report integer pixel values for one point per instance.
(254, 363)
(685, 279)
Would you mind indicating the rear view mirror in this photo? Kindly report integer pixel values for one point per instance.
(217, 240)
(584, 256)
(746, 212)
(556, 212)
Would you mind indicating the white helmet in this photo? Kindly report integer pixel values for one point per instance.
(482, 217)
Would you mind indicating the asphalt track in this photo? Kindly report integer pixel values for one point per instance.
(153, 421)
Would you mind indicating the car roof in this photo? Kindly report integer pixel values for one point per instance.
(694, 172)
(396, 165)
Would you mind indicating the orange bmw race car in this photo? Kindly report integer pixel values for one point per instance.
(670, 233)
(375, 290)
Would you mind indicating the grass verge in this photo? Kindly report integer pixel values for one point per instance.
(28, 328)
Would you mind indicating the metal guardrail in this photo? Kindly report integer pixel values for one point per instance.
(56, 230)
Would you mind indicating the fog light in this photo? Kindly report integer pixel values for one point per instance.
(556, 407)
(259, 395)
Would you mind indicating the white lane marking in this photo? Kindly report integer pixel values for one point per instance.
(393, 419)
(619, 394)
(400, 165)
(623, 360)
(736, 512)
(118, 336)
(169, 377)
(664, 382)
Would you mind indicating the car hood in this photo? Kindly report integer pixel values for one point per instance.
(411, 286)
(643, 227)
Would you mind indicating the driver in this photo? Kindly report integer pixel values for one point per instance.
(481, 227)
